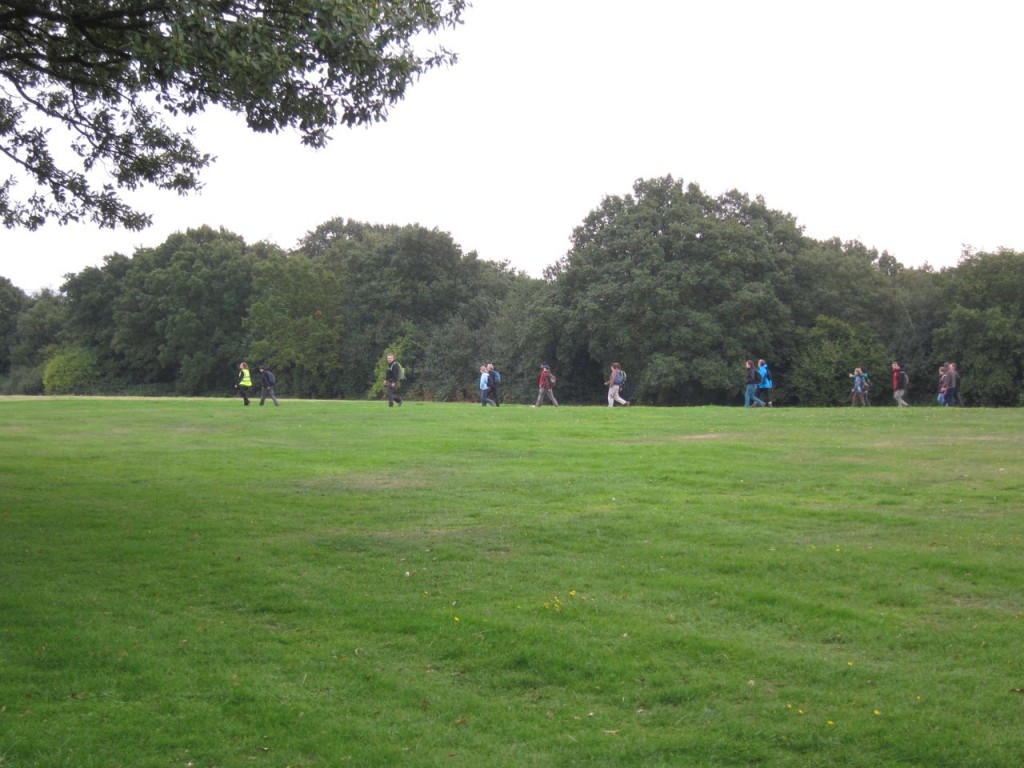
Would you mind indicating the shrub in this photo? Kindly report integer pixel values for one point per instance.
(70, 372)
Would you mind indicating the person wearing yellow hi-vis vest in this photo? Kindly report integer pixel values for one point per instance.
(244, 383)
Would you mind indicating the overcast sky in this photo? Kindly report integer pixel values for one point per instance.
(894, 123)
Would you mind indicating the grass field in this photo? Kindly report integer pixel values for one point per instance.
(194, 583)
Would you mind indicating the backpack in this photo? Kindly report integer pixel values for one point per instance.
(401, 371)
(497, 376)
(271, 379)
(620, 378)
(865, 382)
(551, 378)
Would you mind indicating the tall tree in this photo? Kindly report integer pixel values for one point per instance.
(296, 324)
(179, 317)
(111, 72)
(677, 286)
(90, 298)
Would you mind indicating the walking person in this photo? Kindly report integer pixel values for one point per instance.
(866, 380)
(267, 383)
(899, 385)
(764, 386)
(858, 387)
(494, 381)
(546, 384)
(615, 381)
(943, 384)
(485, 387)
(244, 382)
(952, 385)
(392, 375)
(750, 393)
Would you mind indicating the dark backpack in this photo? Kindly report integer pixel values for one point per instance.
(271, 379)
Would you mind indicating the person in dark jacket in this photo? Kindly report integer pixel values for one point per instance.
(494, 381)
(753, 379)
(267, 383)
(392, 376)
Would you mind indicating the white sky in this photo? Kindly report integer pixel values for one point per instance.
(894, 123)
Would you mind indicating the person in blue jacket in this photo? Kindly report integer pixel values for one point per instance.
(764, 386)
(485, 387)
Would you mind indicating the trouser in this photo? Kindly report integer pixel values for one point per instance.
(614, 396)
(485, 399)
(550, 393)
(858, 398)
(264, 392)
(750, 396)
(898, 397)
(244, 393)
(393, 394)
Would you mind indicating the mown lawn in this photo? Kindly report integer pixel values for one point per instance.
(194, 583)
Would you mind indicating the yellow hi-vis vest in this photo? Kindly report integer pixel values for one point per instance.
(245, 381)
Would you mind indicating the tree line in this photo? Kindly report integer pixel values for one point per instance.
(678, 286)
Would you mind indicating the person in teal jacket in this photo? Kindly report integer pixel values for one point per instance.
(764, 386)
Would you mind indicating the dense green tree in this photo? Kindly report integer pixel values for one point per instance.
(178, 319)
(678, 287)
(115, 74)
(979, 325)
(399, 285)
(986, 344)
(522, 333)
(828, 353)
(90, 298)
(12, 303)
(296, 324)
(42, 327)
(984, 280)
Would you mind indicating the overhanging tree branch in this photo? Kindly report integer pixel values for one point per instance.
(308, 65)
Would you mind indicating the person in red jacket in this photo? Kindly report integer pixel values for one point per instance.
(546, 385)
(899, 384)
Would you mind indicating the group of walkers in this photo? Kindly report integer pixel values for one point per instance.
(546, 386)
(757, 393)
(243, 385)
(949, 385)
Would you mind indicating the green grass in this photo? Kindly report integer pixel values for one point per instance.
(194, 583)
